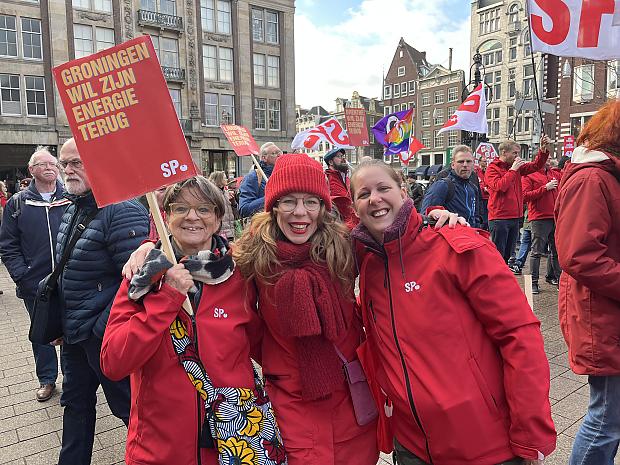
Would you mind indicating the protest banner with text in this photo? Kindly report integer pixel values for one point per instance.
(357, 127)
(240, 139)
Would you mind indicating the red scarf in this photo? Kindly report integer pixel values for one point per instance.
(311, 306)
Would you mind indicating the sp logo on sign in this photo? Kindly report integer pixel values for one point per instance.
(170, 168)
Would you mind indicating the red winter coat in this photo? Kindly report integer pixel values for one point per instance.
(322, 432)
(540, 201)
(588, 242)
(504, 185)
(464, 367)
(340, 193)
(166, 410)
(483, 188)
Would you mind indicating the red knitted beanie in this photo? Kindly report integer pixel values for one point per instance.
(296, 172)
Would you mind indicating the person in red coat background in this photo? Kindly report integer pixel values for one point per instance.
(337, 173)
(454, 342)
(481, 169)
(588, 225)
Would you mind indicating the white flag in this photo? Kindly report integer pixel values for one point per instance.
(471, 115)
(330, 131)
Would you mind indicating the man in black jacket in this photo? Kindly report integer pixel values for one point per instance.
(88, 285)
(27, 241)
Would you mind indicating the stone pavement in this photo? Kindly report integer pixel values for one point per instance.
(30, 431)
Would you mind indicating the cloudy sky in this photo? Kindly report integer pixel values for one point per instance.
(346, 45)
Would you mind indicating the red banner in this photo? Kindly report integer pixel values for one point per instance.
(241, 140)
(569, 146)
(357, 127)
(123, 120)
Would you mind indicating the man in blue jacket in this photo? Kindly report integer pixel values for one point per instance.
(251, 192)
(457, 192)
(88, 285)
(27, 243)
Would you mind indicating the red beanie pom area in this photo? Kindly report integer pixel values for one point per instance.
(296, 172)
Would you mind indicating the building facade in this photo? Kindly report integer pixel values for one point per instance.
(224, 61)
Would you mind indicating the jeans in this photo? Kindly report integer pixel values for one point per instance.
(543, 232)
(484, 213)
(524, 249)
(82, 377)
(404, 457)
(45, 358)
(504, 235)
(597, 440)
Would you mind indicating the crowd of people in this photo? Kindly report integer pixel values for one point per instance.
(382, 317)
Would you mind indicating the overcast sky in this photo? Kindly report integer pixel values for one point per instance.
(345, 45)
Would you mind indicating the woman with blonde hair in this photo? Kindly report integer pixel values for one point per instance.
(228, 220)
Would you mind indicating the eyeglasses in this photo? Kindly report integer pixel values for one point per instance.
(75, 164)
(182, 209)
(288, 204)
(47, 164)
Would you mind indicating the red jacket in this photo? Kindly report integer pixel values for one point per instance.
(540, 201)
(588, 242)
(322, 432)
(464, 367)
(504, 185)
(483, 188)
(166, 410)
(340, 193)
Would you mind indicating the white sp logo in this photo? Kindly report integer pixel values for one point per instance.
(412, 286)
(170, 168)
(219, 313)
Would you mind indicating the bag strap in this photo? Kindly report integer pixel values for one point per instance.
(340, 355)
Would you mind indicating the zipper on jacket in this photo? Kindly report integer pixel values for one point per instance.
(412, 406)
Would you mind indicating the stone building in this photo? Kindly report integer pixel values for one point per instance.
(224, 61)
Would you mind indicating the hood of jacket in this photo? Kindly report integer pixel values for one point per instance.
(584, 158)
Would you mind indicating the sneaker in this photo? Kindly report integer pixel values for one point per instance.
(516, 269)
(45, 392)
(535, 288)
(552, 281)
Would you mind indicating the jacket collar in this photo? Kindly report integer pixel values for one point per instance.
(33, 192)
(266, 168)
(86, 201)
(583, 155)
(403, 220)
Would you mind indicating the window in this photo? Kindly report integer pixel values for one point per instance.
(426, 118)
(168, 7)
(489, 21)
(493, 118)
(274, 115)
(451, 111)
(105, 38)
(493, 86)
(426, 142)
(426, 99)
(273, 71)
(94, 5)
(577, 123)
(387, 92)
(209, 62)
(10, 103)
(272, 30)
(396, 90)
(175, 95)
(35, 96)
(524, 122)
(8, 36)
(439, 96)
(583, 83)
(512, 50)
(257, 25)
(260, 113)
(511, 121)
(426, 158)
(401, 71)
(453, 138)
(169, 53)
(396, 108)
(207, 15)
(411, 105)
(613, 79)
(491, 52)
(227, 109)
(387, 110)
(453, 94)
(438, 139)
(259, 69)
(528, 80)
(226, 64)
(513, 13)
(512, 86)
(223, 16)
(411, 87)
(82, 40)
(527, 46)
(438, 116)
(31, 38)
(211, 109)
(403, 88)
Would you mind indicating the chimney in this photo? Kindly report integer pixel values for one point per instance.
(450, 60)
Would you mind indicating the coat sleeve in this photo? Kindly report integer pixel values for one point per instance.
(496, 182)
(536, 165)
(128, 228)
(10, 243)
(134, 330)
(529, 192)
(583, 245)
(436, 195)
(515, 330)
(249, 199)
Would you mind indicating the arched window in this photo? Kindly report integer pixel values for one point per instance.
(491, 52)
(513, 13)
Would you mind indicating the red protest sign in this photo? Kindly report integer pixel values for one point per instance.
(569, 146)
(123, 120)
(356, 126)
(241, 140)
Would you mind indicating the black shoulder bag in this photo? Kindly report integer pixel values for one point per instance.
(46, 321)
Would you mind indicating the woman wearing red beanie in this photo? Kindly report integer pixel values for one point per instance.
(301, 262)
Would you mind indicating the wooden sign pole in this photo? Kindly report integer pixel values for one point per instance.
(166, 245)
(259, 169)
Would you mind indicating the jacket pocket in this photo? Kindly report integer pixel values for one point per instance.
(484, 387)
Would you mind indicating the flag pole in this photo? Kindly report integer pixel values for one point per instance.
(540, 113)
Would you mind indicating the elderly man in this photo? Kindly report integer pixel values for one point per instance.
(503, 181)
(338, 178)
(457, 192)
(251, 191)
(27, 238)
(88, 285)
